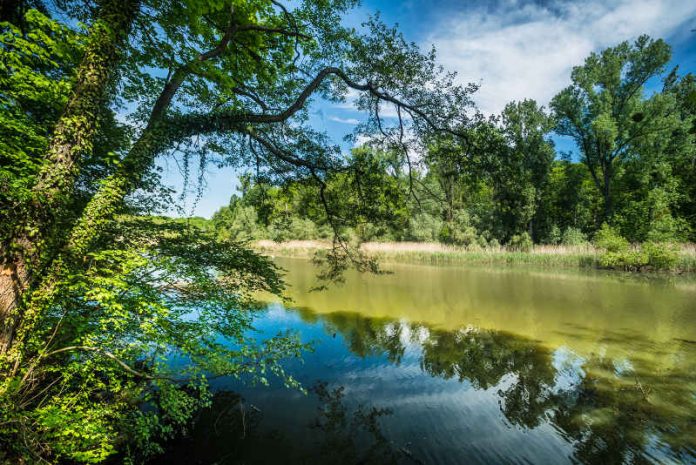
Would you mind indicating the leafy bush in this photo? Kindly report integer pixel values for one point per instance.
(482, 242)
(423, 227)
(239, 223)
(287, 228)
(324, 231)
(628, 260)
(609, 239)
(554, 237)
(650, 216)
(521, 243)
(112, 392)
(651, 255)
(667, 229)
(459, 231)
(573, 236)
(475, 247)
(373, 232)
(661, 255)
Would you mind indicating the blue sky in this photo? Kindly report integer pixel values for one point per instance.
(514, 48)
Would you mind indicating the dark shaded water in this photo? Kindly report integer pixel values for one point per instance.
(465, 366)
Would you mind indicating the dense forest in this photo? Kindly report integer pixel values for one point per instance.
(631, 119)
(113, 318)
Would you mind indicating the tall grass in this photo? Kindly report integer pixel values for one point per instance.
(544, 256)
(687, 259)
(436, 253)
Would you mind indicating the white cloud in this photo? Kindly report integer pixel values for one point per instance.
(527, 50)
(338, 119)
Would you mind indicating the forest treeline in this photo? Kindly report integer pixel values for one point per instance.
(632, 175)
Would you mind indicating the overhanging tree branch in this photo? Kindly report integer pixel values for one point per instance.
(192, 124)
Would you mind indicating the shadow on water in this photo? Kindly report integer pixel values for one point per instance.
(228, 433)
(400, 392)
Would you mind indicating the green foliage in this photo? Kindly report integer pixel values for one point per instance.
(661, 255)
(238, 222)
(80, 431)
(618, 254)
(627, 260)
(459, 231)
(423, 227)
(36, 67)
(605, 110)
(609, 239)
(521, 243)
(573, 236)
(128, 339)
(286, 227)
(508, 179)
(554, 237)
(120, 319)
(115, 321)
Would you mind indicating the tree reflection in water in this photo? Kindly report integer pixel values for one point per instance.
(228, 433)
(609, 411)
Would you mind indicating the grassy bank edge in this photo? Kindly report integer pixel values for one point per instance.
(545, 256)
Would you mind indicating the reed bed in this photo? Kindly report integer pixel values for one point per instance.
(687, 259)
(543, 256)
(436, 253)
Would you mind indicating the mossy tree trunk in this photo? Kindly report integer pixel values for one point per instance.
(73, 138)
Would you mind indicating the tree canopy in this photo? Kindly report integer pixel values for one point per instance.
(104, 310)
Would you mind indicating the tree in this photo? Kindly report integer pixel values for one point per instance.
(607, 113)
(93, 296)
(570, 199)
(35, 226)
(681, 152)
(522, 168)
(510, 155)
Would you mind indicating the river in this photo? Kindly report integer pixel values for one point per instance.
(467, 365)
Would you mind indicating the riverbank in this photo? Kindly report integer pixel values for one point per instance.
(547, 256)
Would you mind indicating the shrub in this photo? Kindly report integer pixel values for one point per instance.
(373, 232)
(655, 255)
(423, 227)
(286, 228)
(628, 260)
(325, 232)
(609, 239)
(459, 231)
(554, 237)
(573, 236)
(241, 224)
(279, 229)
(303, 228)
(482, 242)
(521, 243)
(661, 255)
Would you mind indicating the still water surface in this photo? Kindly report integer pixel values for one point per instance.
(453, 365)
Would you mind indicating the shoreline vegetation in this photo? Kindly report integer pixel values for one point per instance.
(585, 256)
